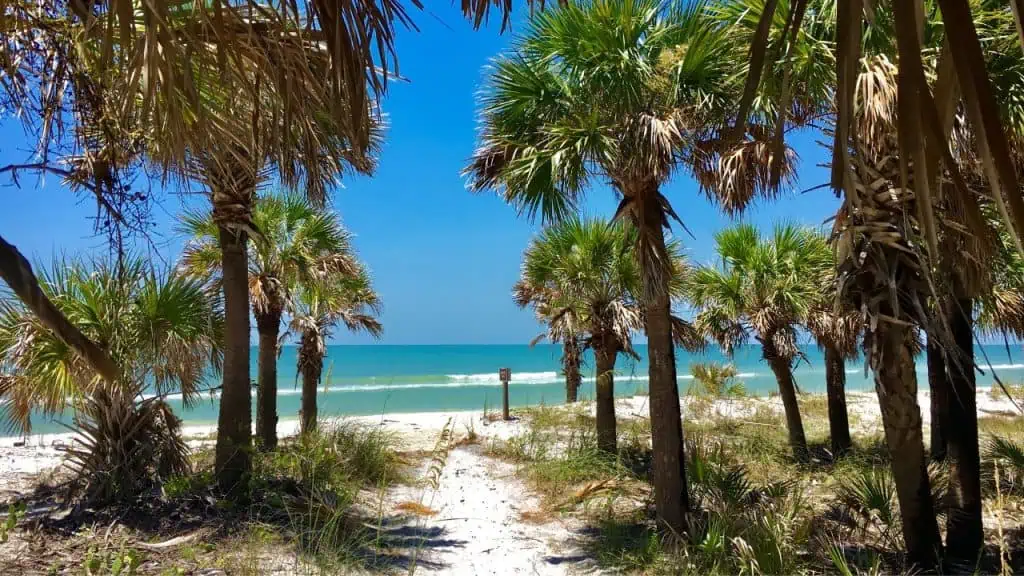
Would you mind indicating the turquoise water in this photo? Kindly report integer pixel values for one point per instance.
(364, 380)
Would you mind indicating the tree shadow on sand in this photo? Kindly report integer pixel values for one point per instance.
(163, 527)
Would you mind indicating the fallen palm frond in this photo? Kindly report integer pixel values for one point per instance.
(415, 508)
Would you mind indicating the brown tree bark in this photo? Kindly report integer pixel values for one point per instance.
(838, 419)
(787, 390)
(604, 358)
(311, 364)
(896, 384)
(234, 421)
(964, 534)
(671, 499)
(938, 392)
(268, 324)
(571, 358)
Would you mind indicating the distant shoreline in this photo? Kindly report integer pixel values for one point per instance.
(862, 403)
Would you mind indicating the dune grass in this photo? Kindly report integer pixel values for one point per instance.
(756, 509)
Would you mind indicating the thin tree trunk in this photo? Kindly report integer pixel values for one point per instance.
(964, 535)
(896, 384)
(311, 365)
(938, 385)
(269, 326)
(17, 273)
(787, 390)
(571, 367)
(234, 421)
(838, 420)
(671, 499)
(604, 358)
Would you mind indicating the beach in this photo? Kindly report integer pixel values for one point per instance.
(38, 453)
(480, 505)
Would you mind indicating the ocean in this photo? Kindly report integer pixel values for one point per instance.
(376, 379)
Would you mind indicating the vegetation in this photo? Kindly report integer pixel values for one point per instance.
(163, 330)
(562, 106)
(716, 381)
(765, 289)
(919, 101)
(582, 277)
(298, 245)
(757, 511)
(346, 299)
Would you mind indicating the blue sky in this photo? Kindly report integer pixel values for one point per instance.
(443, 259)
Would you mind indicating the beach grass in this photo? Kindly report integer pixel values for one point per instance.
(757, 509)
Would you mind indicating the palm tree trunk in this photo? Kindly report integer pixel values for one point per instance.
(604, 357)
(571, 367)
(234, 421)
(938, 385)
(268, 324)
(896, 384)
(671, 499)
(787, 390)
(838, 420)
(964, 536)
(311, 364)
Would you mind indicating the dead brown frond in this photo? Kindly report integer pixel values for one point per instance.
(838, 330)
(123, 448)
(734, 174)
(686, 335)
(537, 517)
(416, 508)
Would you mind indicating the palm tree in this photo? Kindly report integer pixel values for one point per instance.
(837, 333)
(562, 326)
(624, 89)
(347, 298)
(298, 244)
(162, 329)
(585, 274)
(230, 122)
(765, 288)
(895, 208)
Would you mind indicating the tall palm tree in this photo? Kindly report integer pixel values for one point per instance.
(586, 271)
(765, 288)
(162, 329)
(624, 89)
(298, 244)
(892, 130)
(342, 298)
(229, 122)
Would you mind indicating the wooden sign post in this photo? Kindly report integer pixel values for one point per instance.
(504, 374)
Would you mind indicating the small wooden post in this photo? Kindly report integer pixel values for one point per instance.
(505, 374)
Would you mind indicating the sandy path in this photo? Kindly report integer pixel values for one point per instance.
(478, 529)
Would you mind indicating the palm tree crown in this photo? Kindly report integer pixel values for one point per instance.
(297, 244)
(616, 88)
(765, 287)
(582, 273)
(163, 330)
(346, 299)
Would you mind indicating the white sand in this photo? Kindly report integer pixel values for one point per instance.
(477, 528)
(419, 430)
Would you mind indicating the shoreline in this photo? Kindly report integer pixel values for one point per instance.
(38, 454)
